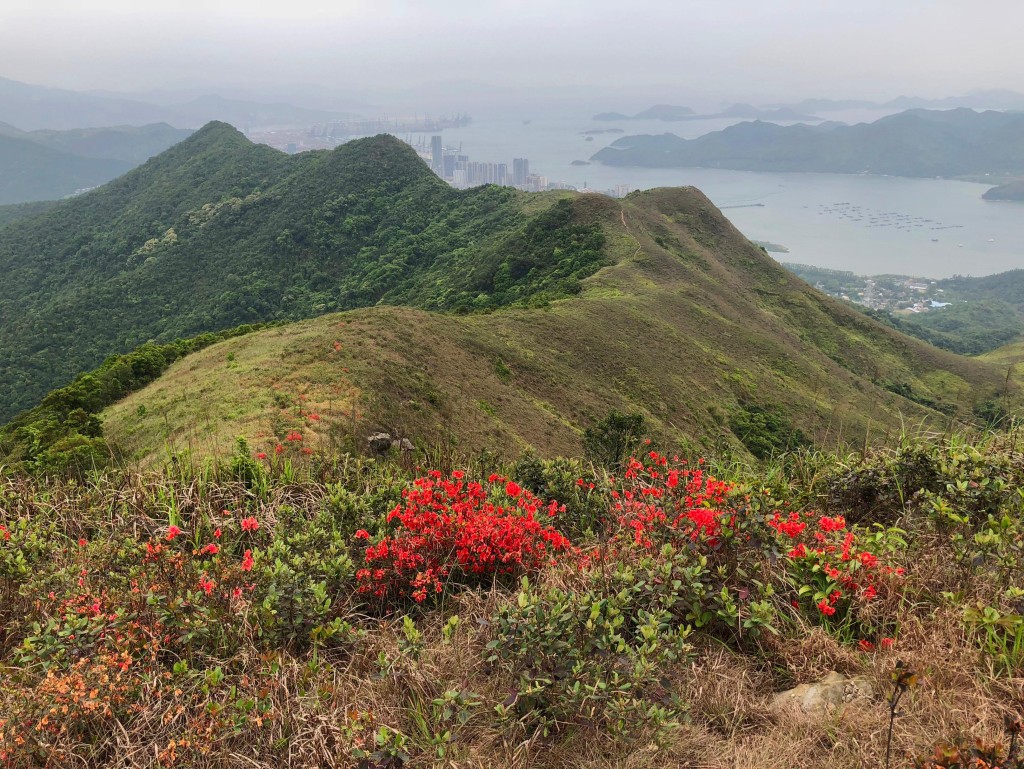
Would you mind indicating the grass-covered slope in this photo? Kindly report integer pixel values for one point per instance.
(217, 231)
(690, 325)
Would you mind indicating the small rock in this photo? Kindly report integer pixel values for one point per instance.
(405, 444)
(831, 693)
(379, 442)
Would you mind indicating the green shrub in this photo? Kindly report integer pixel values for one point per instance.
(615, 437)
(598, 655)
(765, 431)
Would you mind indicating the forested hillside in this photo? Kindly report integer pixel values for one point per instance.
(218, 231)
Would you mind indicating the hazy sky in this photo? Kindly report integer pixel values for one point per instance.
(757, 50)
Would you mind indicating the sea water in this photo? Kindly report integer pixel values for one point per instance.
(867, 224)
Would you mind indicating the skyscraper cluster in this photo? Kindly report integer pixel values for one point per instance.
(457, 169)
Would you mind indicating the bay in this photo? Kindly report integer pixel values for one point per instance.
(925, 227)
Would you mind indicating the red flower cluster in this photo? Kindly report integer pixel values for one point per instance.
(662, 500)
(826, 555)
(454, 531)
(659, 498)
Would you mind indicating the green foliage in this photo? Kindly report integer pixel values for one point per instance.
(614, 438)
(211, 608)
(598, 654)
(967, 328)
(15, 211)
(439, 724)
(571, 482)
(63, 434)
(246, 469)
(999, 634)
(302, 578)
(906, 391)
(765, 431)
(218, 232)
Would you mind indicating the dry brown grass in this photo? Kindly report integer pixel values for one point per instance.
(731, 722)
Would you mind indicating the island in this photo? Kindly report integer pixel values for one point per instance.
(673, 113)
(1011, 191)
(915, 143)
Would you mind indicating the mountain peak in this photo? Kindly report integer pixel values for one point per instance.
(217, 129)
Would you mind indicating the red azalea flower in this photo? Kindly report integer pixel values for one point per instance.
(250, 524)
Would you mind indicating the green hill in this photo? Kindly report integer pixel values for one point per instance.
(913, 143)
(691, 326)
(132, 144)
(678, 317)
(218, 231)
(45, 165)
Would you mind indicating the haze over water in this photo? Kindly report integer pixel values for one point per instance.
(793, 208)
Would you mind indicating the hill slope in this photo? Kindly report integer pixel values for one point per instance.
(45, 165)
(132, 144)
(912, 143)
(218, 231)
(691, 326)
(30, 171)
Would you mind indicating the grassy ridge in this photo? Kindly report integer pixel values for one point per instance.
(691, 326)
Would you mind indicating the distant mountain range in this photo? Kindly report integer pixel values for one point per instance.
(33, 107)
(48, 164)
(979, 100)
(912, 143)
(672, 113)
